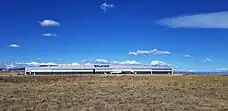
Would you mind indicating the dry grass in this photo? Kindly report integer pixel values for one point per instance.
(114, 93)
(13, 73)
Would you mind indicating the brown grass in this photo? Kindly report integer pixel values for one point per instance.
(13, 73)
(114, 93)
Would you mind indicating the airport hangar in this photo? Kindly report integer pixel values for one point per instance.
(97, 69)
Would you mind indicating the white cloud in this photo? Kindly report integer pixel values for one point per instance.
(96, 61)
(75, 64)
(49, 34)
(35, 63)
(103, 61)
(105, 6)
(202, 20)
(49, 23)
(208, 60)
(130, 62)
(14, 46)
(88, 64)
(222, 69)
(64, 64)
(115, 62)
(148, 52)
(31, 63)
(72, 64)
(132, 53)
(188, 56)
(159, 63)
(48, 63)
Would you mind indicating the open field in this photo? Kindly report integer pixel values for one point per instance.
(13, 73)
(114, 93)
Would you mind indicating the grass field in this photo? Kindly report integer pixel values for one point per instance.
(73, 93)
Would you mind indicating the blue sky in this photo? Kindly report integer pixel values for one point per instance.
(184, 34)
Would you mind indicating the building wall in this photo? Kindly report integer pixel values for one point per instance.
(91, 70)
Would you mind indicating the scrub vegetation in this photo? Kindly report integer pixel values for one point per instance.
(74, 93)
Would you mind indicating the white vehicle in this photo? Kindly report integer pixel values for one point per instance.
(116, 72)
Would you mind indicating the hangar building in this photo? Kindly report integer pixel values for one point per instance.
(97, 69)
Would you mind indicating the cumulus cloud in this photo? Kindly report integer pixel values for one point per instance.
(26, 64)
(96, 61)
(202, 20)
(44, 63)
(48, 63)
(72, 64)
(88, 64)
(38, 63)
(31, 63)
(49, 23)
(103, 61)
(207, 60)
(159, 63)
(75, 64)
(130, 62)
(188, 56)
(105, 6)
(49, 34)
(149, 52)
(14, 46)
(132, 53)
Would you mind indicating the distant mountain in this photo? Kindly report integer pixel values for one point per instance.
(13, 69)
(11, 66)
(1, 69)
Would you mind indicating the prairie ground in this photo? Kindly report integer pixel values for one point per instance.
(74, 93)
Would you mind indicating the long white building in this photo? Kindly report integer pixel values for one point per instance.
(97, 69)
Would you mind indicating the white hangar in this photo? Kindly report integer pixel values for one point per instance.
(97, 69)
